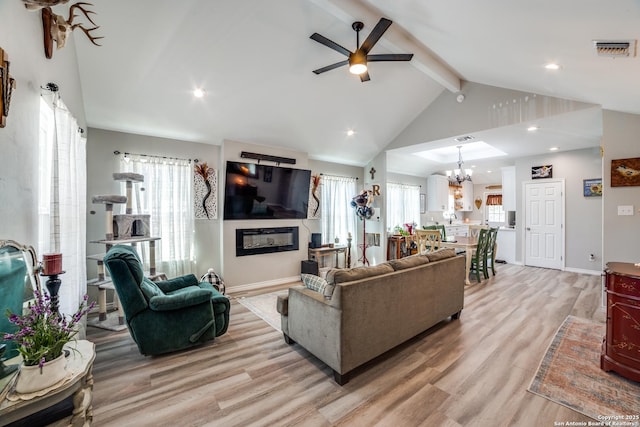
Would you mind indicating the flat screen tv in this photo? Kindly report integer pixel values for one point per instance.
(254, 191)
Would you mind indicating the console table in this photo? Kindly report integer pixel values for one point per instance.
(621, 344)
(80, 386)
(319, 253)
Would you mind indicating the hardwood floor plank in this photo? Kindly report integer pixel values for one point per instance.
(468, 372)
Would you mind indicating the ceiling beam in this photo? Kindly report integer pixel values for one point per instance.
(396, 39)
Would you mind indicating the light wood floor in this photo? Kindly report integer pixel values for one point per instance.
(469, 372)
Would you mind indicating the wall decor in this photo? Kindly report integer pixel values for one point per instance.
(56, 27)
(205, 194)
(592, 187)
(625, 172)
(7, 85)
(538, 172)
(313, 212)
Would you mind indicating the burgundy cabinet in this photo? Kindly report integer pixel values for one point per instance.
(621, 345)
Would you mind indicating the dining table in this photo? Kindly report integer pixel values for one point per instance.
(469, 244)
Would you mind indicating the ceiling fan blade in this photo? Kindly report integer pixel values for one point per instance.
(375, 34)
(390, 57)
(364, 77)
(329, 43)
(331, 67)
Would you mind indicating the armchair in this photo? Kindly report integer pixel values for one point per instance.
(168, 315)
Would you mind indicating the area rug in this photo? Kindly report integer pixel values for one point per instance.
(570, 374)
(264, 306)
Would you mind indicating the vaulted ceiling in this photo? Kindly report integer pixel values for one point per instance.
(254, 60)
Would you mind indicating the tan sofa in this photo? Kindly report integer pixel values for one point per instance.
(373, 309)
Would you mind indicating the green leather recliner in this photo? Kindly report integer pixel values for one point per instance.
(168, 315)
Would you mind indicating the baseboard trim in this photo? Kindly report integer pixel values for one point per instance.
(583, 271)
(259, 285)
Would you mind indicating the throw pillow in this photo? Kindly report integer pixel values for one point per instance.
(318, 284)
(408, 262)
(344, 275)
(441, 254)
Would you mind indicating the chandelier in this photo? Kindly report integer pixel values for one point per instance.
(457, 174)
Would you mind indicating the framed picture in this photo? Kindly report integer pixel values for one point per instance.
(592, 187)
(423, 203)
(625, 172)
(539, 172)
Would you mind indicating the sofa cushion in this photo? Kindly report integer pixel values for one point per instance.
(344, 275)
(408, 262)
(441, 254)
(318, 284)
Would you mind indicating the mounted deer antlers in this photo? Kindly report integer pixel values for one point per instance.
(56, 27)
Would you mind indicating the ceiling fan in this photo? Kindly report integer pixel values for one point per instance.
(358, 60)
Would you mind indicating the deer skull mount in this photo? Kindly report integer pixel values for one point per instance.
(56, 27)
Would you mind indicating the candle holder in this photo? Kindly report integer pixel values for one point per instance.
(53, 286)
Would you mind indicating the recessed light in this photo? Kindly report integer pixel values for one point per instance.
(198, 93)
(350, 132)
(554, 148)
(532, 128)
(552, 66)
(489, 171)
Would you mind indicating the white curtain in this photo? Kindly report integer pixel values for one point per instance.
(167, 197)
(62, 198)
(338, 217)
(403, 204)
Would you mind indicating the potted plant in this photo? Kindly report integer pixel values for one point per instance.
(40, 336)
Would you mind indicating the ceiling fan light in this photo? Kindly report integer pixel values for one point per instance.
(357, 68)
(357, 63)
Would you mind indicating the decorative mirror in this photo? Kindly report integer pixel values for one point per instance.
(18, 279)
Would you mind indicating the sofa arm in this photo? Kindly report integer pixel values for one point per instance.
(177, 283)
(179, 300)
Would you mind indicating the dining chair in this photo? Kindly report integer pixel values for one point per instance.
(428, 240)
(479, 259)
(474, 230)
(491, 252)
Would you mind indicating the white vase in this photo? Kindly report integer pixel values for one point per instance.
(32, 378)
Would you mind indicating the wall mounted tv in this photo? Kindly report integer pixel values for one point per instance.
(255, 191)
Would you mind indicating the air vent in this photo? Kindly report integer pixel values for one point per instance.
(464, 138)
(615, 49)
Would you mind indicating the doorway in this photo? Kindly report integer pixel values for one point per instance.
(544, 224)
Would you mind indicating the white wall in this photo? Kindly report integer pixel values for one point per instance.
(21, 38)
(102, 163)
(583, 225)
(621, 233)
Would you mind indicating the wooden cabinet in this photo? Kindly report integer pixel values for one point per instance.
(437, 193)
(509, 188)
(621, 344)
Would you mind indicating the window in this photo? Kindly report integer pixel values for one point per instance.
(493, 209)
(62, 197)
(338, 218)
(168, 200)
(403, 204)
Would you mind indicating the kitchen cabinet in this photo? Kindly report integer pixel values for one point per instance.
(467, 196)
(437, 193)
(506, 242)
(456, 230)
(509, 188)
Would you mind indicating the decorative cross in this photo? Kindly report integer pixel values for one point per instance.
(372, 171)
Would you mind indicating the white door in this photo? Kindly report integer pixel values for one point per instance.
(543, 224)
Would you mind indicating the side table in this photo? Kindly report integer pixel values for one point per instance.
(80, 386)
